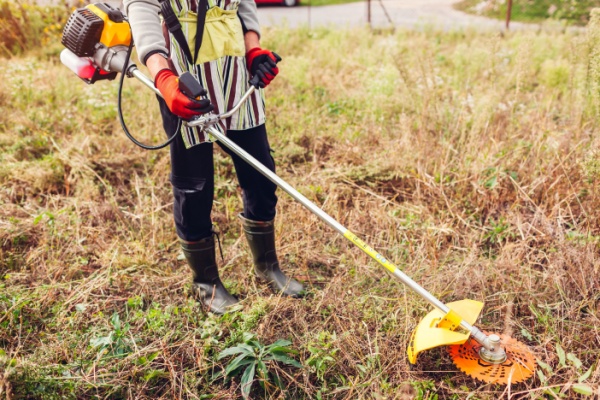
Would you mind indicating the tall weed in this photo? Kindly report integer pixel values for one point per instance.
(25, 26)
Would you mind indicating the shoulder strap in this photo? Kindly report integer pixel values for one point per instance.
(174, 27)
(202, 7)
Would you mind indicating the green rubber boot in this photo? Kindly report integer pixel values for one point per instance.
(261, 239)
(207, 286)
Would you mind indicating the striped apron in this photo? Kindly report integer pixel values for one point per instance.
(221, 65)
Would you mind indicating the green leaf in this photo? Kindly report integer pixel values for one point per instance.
(102, 341)
(141, 361)
(238, 371)
(573, 358)
(284, 359)
(280, 343)
(526, 334)
(250, 349)
(283, 350)
(263, 373)
(37, 219)
(586, 375)
(562, 359)
(582, 389)
(154, 374)
(238, 362)
(255, 345)
(247, 336)
(541, 375)
(235, 350)
(115, 321)
(491, 183)
(545, 366)
(218, 375)
(247, 380)
(277, 381)
(262, 369)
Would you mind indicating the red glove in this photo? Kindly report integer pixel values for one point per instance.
(168, 84)
(262, 63)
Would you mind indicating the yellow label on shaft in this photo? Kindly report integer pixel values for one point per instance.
(370, 251)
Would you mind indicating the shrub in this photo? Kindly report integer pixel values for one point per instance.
(25, 27)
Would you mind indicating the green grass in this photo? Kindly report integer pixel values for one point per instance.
(470, 159)
(571, 12)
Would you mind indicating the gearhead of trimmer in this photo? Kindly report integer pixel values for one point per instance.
(487, 357)
(515, 365)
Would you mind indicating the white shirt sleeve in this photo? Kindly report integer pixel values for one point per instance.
(249, 15)
(146, 27)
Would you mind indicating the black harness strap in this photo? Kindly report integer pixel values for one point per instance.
(174, 27)
(202, 8)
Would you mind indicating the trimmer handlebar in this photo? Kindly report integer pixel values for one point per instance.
(193, 89)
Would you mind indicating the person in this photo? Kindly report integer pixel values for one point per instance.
(229, 55)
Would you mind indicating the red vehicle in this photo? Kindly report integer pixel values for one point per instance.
(287, 3)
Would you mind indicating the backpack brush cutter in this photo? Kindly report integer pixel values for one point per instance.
(98, 41)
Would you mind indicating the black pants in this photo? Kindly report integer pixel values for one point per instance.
(192, 177)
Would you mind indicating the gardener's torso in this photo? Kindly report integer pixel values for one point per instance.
(220, 65)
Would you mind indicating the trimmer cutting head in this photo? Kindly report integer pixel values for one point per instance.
(518, 366)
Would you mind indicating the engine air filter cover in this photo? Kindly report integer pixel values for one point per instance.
(82, 32)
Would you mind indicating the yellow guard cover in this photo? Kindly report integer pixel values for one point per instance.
(437, 329)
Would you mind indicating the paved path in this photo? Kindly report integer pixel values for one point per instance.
(411, 14)
(404, 13)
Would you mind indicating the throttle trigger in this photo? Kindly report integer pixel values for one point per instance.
(190, 86)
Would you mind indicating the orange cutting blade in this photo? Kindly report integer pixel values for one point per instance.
(519, 364)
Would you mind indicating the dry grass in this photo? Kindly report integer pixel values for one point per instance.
(469, 159)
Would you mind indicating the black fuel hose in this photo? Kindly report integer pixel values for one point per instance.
(120, 111)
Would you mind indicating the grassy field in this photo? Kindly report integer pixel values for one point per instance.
(469, 159)
(568, 11)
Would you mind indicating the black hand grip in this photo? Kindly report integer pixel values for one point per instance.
(190, 86)
(255, 81)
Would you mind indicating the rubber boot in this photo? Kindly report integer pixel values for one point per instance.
(261, 239)
(207, 286)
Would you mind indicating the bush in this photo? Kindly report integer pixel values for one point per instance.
(571, 11)
(25, 27)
